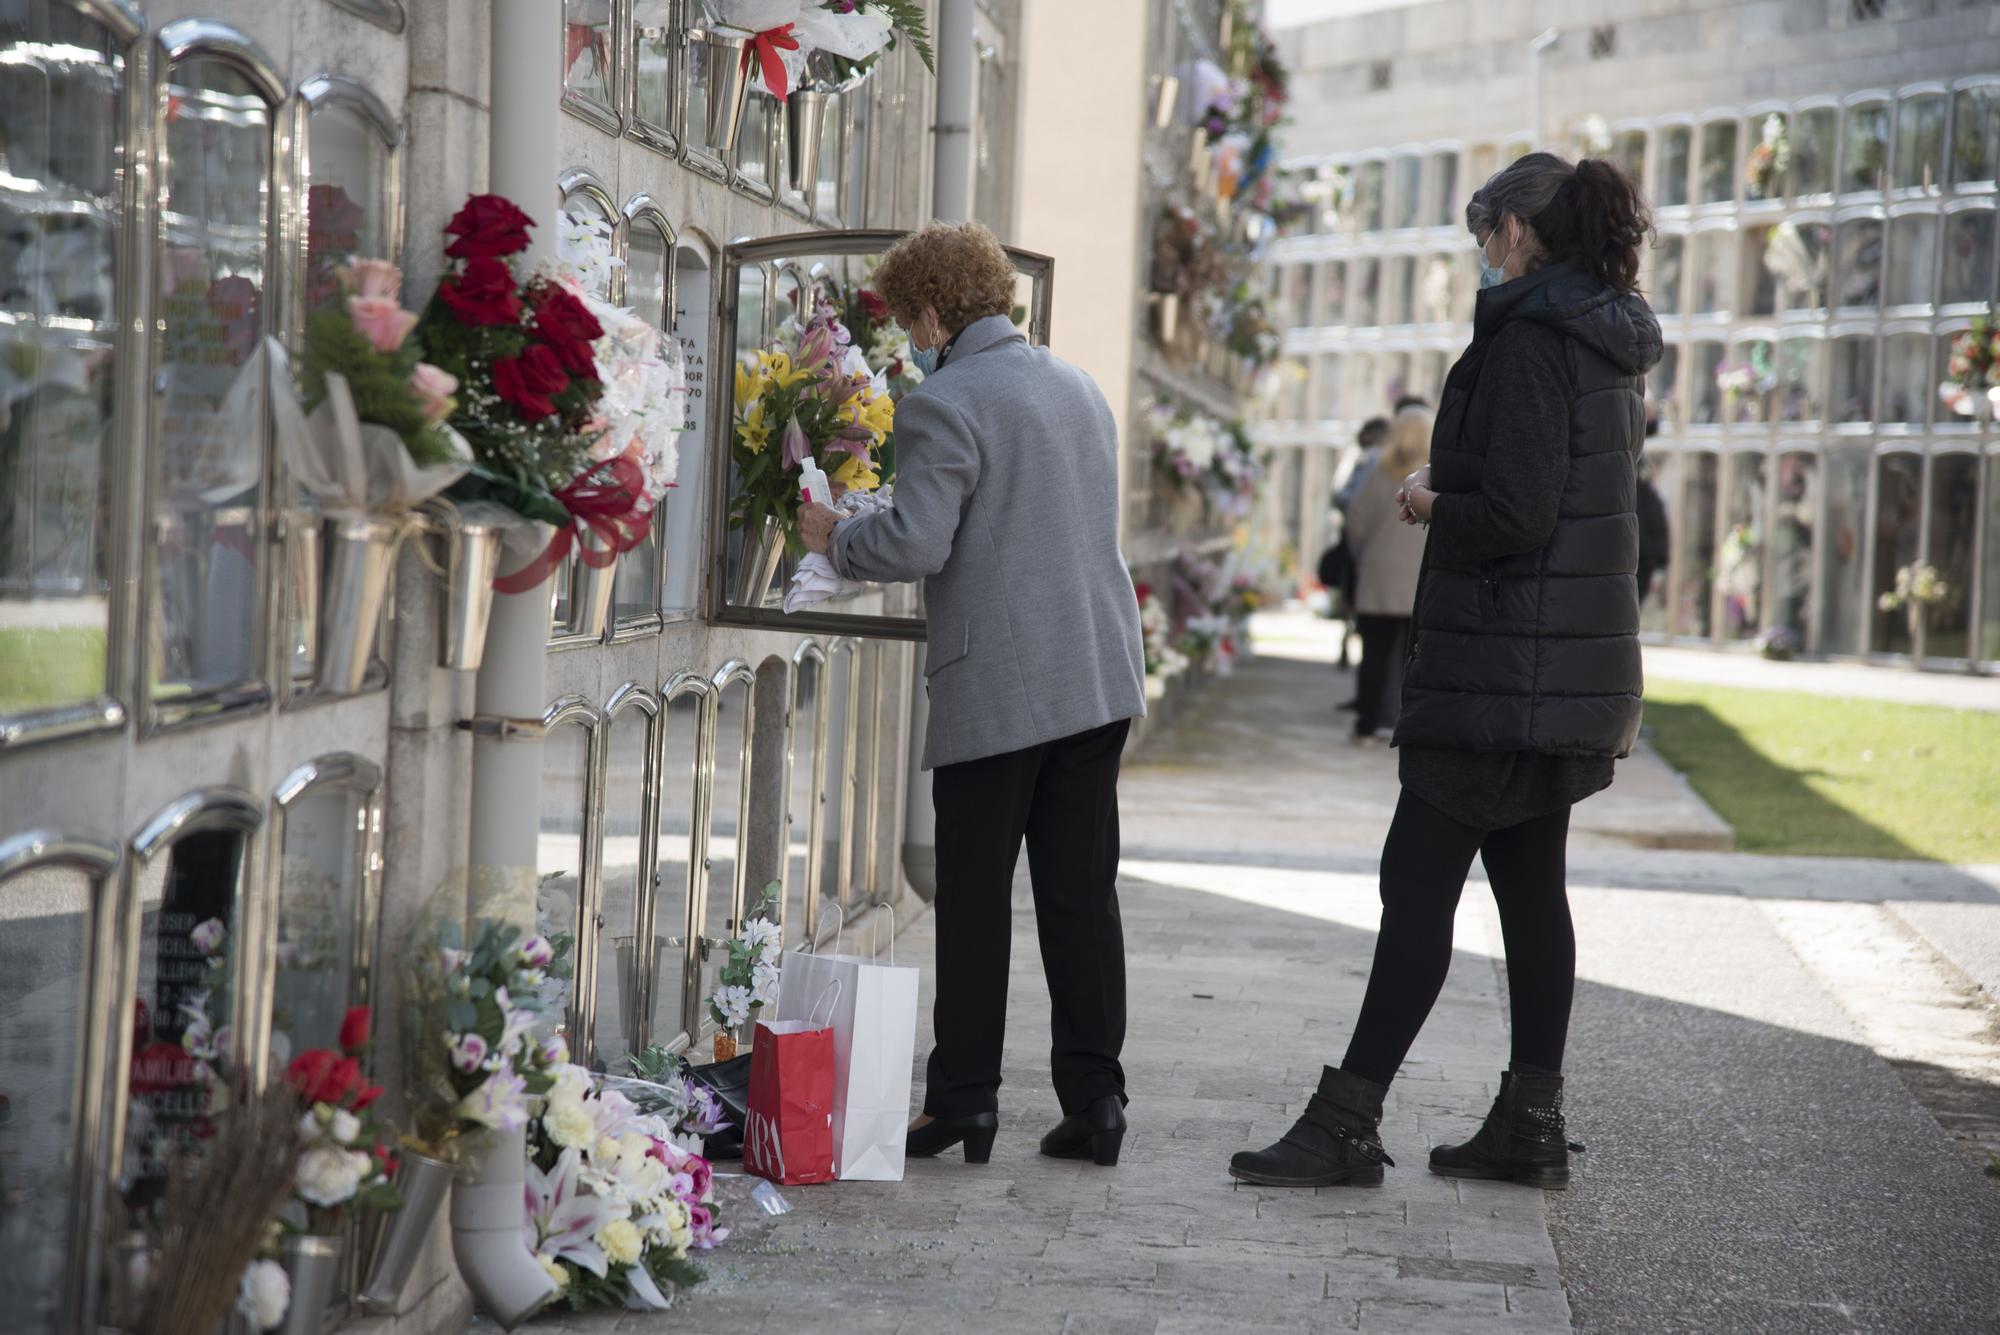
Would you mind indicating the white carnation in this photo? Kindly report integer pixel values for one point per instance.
(344, 1127)
(570, 1125)
(264, 1294)
(330, 1176)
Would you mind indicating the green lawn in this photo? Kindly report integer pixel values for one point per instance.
(1837, 778)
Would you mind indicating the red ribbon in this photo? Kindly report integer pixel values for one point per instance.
(766, 45)
(610, 509)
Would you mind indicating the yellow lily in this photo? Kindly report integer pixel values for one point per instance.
(750, 385)
(778, 365)
(753, 430)
(856, 475)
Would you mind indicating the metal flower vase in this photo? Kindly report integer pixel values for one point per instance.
(360, 557)
(304, 564)
(469, 551)
(422, 1182)
(506, 1280)
(313, 1265)
(805, 131)
(729, 68)
(595, 583)
(763, 550)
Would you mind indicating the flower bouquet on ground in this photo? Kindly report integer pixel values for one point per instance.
(1973, 370)
(815, 395)
(748, 979)
(1163, 660)
(616, 1199)
(1208, 642)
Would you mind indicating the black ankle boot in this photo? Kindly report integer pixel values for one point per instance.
(1523, 1139)
(1333, 1143)
(1095, 1133)
(941, 1133)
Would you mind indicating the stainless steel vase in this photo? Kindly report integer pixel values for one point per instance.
(360, 556)
(313, 1263)
(594, 585)
(805, 129)
(470, 551)
(763, 549)
(729, 67)
(399, 1236)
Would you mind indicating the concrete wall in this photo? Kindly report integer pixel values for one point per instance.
(1460, 68)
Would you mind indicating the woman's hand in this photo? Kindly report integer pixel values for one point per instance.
(1416, 498)
(816, 525)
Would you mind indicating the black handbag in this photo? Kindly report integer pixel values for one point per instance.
(730, 1083)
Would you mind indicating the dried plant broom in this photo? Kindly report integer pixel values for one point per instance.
(217, 1210)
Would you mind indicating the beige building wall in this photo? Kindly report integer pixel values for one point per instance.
(1077, 177)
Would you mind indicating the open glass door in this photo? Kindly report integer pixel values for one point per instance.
(775, 295)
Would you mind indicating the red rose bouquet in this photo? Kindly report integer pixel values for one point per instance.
(524, 347)
(348, 1162)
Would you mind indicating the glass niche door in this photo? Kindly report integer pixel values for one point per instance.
(750, 570)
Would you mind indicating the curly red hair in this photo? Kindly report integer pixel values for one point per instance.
(957, 269)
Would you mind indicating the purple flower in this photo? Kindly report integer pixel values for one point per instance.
(467, 1052)
(537, 953)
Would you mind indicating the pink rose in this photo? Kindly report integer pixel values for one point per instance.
(381, 321)
(434, 388)
(373, 278)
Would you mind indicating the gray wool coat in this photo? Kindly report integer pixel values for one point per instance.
(1007, 509)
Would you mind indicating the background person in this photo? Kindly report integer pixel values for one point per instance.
(1007, 509)
(1524, 677)
(1387, 556)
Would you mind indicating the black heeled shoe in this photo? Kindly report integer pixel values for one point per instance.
(941, 1133)
(1094, 1134)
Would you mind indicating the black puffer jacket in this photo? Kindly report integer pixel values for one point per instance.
(1527, 616)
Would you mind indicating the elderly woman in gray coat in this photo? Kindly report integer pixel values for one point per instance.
(1006, 507)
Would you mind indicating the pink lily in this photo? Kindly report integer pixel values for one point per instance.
(815, 348)
(796, 444)
(562, 1219)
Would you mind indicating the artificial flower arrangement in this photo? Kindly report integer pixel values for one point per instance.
(570, 422)
(348, 1161)
(1764, 167)
(617, 1197)
(1743, 383)
(813, 392)
(1973, 370)
(748, 979)
(850, 35)
(1919, 586)
(1248, 331)
(472, 1058)
(1208, 641)
(1155, 632)
(1236, 472)
(1185, 445)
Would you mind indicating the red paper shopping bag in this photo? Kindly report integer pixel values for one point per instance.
(788, 1133)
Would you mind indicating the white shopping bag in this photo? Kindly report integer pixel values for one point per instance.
(874, 1039)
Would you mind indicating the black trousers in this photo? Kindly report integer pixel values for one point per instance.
(1384, 641)
(1424, 863)
(1062, 797)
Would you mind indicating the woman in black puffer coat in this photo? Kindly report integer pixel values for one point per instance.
(1523, 683)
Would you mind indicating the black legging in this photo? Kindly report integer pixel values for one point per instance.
(1424, 863)
(1378, 692)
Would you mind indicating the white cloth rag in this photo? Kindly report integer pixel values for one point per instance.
(815, 580)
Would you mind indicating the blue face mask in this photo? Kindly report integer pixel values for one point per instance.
(1490, 275)
(926, 359)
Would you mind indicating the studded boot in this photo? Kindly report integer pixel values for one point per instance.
(1522, 1140)
(1334, 1142)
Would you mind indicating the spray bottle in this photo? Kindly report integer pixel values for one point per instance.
(813, 484)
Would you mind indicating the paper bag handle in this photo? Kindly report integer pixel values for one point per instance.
(832, 989)
(875, 940)
(811, 946)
